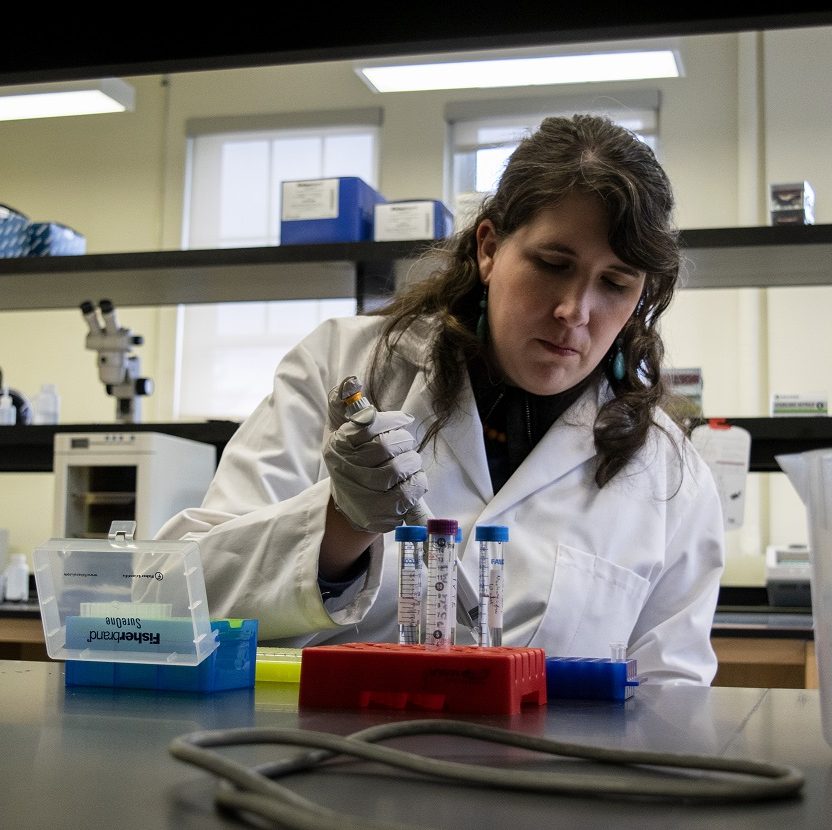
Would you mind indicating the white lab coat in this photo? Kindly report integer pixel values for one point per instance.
(638, 561)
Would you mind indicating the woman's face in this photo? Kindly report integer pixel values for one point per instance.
(557, 295)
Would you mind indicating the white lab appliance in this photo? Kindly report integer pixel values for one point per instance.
(788, 575)
(145, 477)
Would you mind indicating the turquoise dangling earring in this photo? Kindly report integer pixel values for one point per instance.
(618, 361)
(482, 320)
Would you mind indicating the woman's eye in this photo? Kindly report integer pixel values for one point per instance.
(559, 265)
(612, 285)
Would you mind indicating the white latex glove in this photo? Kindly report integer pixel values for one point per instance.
(375, 471)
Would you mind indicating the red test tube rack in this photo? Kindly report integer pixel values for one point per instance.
(461, 679)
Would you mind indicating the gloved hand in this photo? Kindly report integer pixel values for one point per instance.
(375, 471)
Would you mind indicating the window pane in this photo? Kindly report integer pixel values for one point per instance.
(506, 134)
(490, 164)
(350, 155)
(297, 157)
(481, 145)
(228, 351)
(244, 191)
(228, 375)
(237, 379)
(240, 320)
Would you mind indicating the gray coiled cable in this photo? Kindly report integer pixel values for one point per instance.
(253, 789)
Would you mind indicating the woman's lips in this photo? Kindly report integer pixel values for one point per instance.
(559, 348)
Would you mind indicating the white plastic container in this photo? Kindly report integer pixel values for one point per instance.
(123, 601)
(47, 405)
(811, 476)
(17, 578)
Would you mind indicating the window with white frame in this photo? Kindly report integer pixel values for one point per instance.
(485, 133)
(227, 352)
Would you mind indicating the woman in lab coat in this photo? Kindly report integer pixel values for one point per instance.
(519, 385)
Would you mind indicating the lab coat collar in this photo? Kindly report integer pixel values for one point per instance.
(567, 444)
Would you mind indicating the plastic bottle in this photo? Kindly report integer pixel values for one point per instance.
(8, 412)
(17, 578)
(47, 404)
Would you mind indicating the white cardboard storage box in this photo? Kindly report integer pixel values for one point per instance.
(420, 219)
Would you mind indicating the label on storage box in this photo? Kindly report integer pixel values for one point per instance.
(404, 220)
(312, 199)
(129, 633)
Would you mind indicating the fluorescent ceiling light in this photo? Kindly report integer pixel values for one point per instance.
(523, 71)
(65, 98)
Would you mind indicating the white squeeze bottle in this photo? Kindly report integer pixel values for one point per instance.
(17, 577)
(47, 405)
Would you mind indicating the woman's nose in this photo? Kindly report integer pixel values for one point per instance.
(572, 306)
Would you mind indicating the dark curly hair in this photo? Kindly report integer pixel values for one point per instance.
(585, 153)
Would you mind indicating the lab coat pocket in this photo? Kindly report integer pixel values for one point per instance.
(593, 603)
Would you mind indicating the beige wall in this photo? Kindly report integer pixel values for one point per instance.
(752, 109)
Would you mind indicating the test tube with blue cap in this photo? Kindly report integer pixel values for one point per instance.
(440, 617)
(491, 539)
(410, 539)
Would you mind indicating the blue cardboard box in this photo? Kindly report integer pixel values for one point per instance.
(14, 240)
(54, 239)
(413, 219)
(327, 210)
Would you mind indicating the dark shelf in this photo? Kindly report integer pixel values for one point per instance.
(757, 257)
(363, 270)
(209, 258)
(742, 597)
(753, 257)
(29, 449)
(757, 236)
